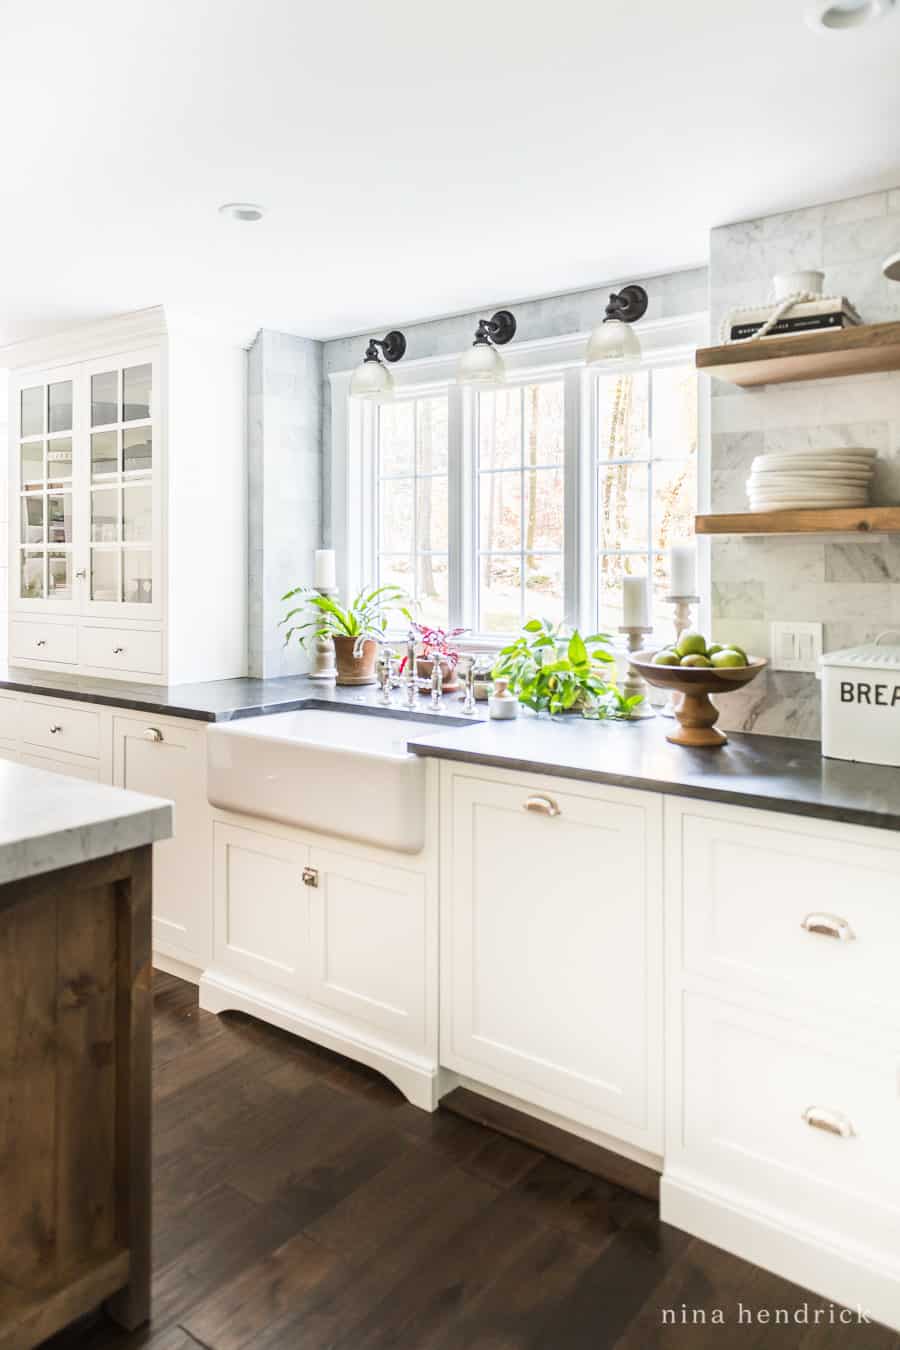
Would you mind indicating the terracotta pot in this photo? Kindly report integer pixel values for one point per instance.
(449, 677)
(354, 669)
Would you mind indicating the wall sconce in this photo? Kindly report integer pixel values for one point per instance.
(372, 379)
(482, 363)
(614, 339)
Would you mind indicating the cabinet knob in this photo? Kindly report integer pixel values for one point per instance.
(82, 572)
(117, 651)
(829, 925)
(832, 1122)
(310, 876)
(543, 806)
(41, 642)
(55, 729)
(153, 734)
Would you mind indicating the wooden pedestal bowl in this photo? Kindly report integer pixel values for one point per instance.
(696, 715)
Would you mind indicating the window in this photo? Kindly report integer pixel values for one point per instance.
(520, 505)
(646, 480)
(532, 499)
(412, 503)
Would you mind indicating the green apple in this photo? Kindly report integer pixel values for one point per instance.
(733, 647)
(666, 658)
(728, 658)
(695, 659)
(691, 644)
(715, 647)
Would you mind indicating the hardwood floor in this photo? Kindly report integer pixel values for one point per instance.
(300, 1203)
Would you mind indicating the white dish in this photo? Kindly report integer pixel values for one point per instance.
(833, 452)
(833, 469)
(770, 480)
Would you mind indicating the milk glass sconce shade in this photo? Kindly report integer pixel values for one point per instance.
(372, 379)
(615, 339)
(482, 363)
(891, 267)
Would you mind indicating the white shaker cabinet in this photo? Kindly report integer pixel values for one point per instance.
(551, 954)
(127, 488)
(167, 758)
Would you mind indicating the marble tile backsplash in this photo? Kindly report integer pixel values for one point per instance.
(851, 586)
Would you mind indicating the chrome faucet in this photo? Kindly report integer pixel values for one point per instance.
(469, 678)
(387, 672)
(412, 684)
(437, 684)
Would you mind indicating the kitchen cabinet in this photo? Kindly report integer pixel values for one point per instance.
(166, 757)
(332, 940)
(783, 1046)
(551, 953)
(127, 450)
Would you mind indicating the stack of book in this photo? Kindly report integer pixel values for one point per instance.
(811, 316)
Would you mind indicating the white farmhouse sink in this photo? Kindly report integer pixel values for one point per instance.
(341, 773)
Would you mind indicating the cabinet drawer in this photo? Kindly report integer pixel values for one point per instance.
(797, 913)
(71, 768)
(9, 717)
(802, 1121)
(60, 727)
(122, 649)
(43, 642)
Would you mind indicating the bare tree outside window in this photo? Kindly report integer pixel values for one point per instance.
(412, 461)
(646, 459)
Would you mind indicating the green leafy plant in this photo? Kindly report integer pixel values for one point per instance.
(557, 674)
(366, 617)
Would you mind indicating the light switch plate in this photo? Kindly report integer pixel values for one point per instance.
(796, 646)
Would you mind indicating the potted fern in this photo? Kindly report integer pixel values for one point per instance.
(355, 630)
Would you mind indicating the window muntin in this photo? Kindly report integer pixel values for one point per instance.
(412, 495)
(645, 465)
(654, 430)
(520, 452)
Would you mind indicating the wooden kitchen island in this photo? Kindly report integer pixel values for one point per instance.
(75, 943)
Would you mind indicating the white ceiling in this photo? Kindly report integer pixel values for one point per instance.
(415, 158)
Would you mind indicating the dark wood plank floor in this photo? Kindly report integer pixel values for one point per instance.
(301, 1203)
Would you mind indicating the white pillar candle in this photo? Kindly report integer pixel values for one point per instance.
(683, 570)
(325, 573)
(635, 602)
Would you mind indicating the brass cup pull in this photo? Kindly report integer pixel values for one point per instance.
(117, 651)
(55, 729)
(153, 734)
(543, 806)
(41, 642)
(829, 925)
(310, 876)
(832, 1122)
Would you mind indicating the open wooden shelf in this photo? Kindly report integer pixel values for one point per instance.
(815, 520)
(811, 356)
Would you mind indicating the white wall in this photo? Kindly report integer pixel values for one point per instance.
(4, 514)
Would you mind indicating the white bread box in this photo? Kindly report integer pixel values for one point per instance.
(861, 703)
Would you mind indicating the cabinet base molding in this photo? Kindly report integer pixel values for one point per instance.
(521, 1124)
(180, 969)
(807, 1256)
(418, 1079)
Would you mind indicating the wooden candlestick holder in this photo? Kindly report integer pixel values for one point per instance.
(634, 682)
(324, 667)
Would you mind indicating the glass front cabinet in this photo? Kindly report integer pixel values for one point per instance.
(88, 490)
(85, 498)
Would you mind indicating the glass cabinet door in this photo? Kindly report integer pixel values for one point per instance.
(121, 509)
(45, 534)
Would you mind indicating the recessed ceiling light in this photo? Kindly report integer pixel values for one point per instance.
(242, 211)
(838, 16)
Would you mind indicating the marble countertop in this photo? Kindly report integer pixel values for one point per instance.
(49, 821)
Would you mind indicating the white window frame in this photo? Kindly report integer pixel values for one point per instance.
(670, 341)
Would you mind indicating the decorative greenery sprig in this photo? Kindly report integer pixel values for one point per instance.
(549, 672)
(366, 617)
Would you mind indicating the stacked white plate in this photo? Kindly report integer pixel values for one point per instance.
(797, 479)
